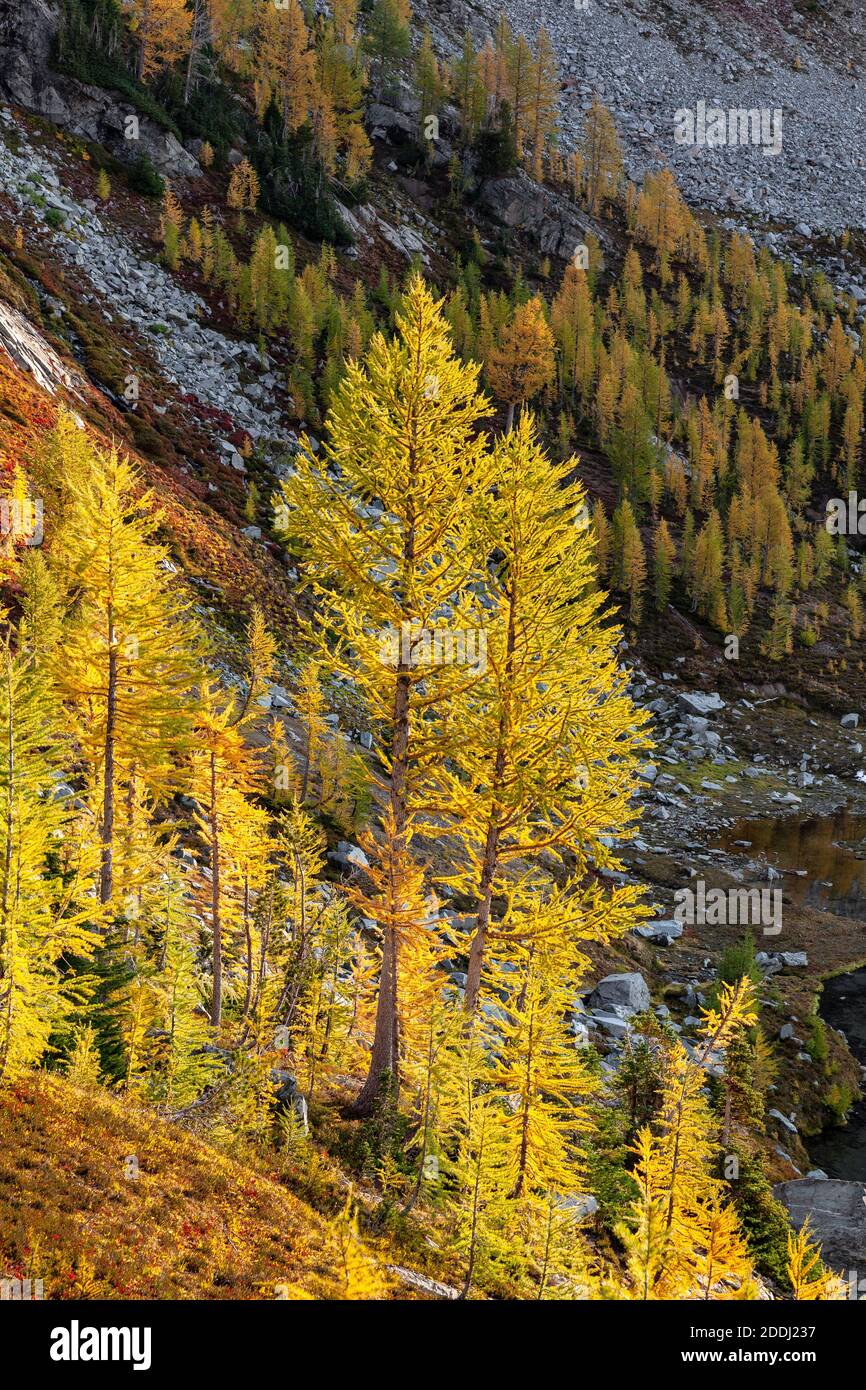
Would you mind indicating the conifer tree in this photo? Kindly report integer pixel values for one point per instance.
(680, 1239)
(243, 190)
(226, 770)
(126, 659)
(161, 29)
(601, 156)
(629, 559)
(809, 1280)
(44, 912)
(601, 530)
(401, 429)
(543, 101)
(387, 40)
(467, 89)
(545, 766)
(544, 1077)
(522, 362)
(664, 557)
(629, 447)
(707, 567)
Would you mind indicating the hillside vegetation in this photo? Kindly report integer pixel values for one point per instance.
(345, 489)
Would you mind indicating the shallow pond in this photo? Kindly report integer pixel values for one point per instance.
(841, 1151)
(823, 857)
(824, 863)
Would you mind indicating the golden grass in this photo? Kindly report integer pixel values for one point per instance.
(193, 1224)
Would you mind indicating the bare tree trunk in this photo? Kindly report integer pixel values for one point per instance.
(476, 1195)
(425, 1124)
(384, 1055)
(198, 37)
(248, 997)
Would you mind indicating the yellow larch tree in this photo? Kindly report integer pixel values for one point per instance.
(162, 30)
(522, 361)
(391, 579)
(601, 156)
(549, 738)
(126, 663)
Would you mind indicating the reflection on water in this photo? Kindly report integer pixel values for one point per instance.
(830, 854)
(828, 851)
(841, 1152)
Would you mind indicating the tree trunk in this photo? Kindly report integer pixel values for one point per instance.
(491, 846)
(473, 1235)
(425, 1124)
(106, 873)
(197, 38)
(482, 920)
(384, 1055)
(248, 937)
(217, 1002)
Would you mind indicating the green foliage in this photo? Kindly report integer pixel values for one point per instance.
(764, 1221)
(212, 113)
(839, 1098)
(294, 186)
(91, 46)
(143, 178)
(739, 960)
(639, 1079)
(496, 146)
(386, 40)
(608, 1178)
(817, 1045)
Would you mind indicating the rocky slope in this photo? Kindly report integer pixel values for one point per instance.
(647, 61)
(27, 36)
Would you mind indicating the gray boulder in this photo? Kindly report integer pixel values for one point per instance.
(836, 1211)
(349, 855)
(664, 931)
(29, 351)
(783, 1120)
(613, 1024)
(625, 994)
(696, 702)
(793, 958)
(395, 126)
(555, 225)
